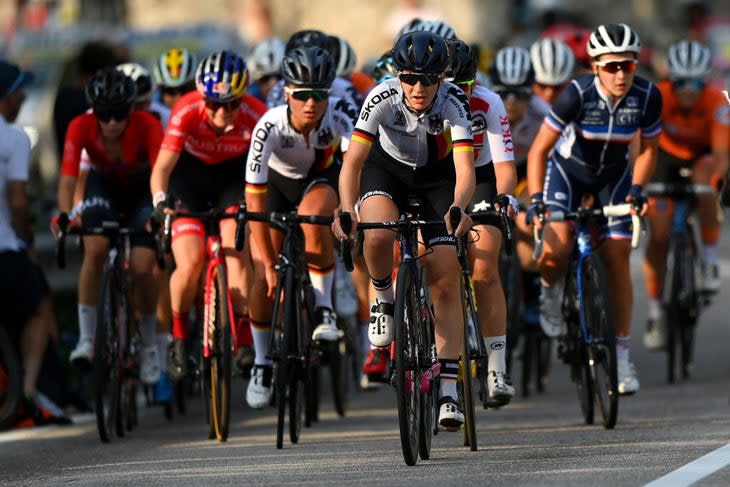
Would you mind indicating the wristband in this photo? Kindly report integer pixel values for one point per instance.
(159, 197)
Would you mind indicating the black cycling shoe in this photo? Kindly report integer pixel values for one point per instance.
(177, 359)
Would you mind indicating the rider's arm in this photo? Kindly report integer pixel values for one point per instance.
(70, 163)
(353, 162)
(161, 171)
(537, 158)
(719, 138)
(501, 147)
(645, 161)
(465, 177)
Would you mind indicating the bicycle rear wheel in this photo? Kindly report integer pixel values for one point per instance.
(470, 320)
(107, 361)
(407, 373)
(11, 381)
(304, 374)
(598, 315)
(220, 349)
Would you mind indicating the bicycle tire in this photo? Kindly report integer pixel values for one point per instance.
(468, 313)
(221, 363)
(406, 364)
(544, 352)
(11, 381)
(309, 357)
(301, 386)
(579, 368)
(529, 353)
(107, 357)
(282, 364)
(205, 392)
(673, 310)
(429, 398)
(338, 368)
(601, 348)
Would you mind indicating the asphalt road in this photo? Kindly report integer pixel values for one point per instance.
(537, 441)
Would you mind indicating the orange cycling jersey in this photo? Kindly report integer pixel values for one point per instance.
(688, 135)
(189, 129)
(139, 145)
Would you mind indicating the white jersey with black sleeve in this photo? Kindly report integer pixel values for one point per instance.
(277, 145)
(491, 127)
(415, 140)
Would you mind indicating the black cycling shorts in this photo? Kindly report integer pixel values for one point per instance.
(668, 167)
(130, 205)
(432, 185)
(22, 288)
(486, 188)
(198, 186)
(284, 194)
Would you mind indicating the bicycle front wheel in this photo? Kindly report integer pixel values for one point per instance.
(220, 349)
(471, 322)
(601, 350)
(407, 373)
(107, 352)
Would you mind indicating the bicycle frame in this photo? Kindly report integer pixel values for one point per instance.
(214, 247)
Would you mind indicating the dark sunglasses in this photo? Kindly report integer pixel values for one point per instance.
(613, 67)
(693, 84)
(425, 79)
(305, 94)
(228, 106)
(521, 94)
(119, 114)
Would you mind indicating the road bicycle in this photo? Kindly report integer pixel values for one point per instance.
(116, 344)
(296, 357)
(682, 298)
(589, 345)
(413, 365)
(473, 366)
(218, 336)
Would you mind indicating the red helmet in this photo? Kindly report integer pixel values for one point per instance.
(574, 35)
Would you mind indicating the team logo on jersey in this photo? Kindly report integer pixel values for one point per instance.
(601, 105)
(287, 142)
(325, 137)
(435, 123)
(383, 95)
(399, 118)
(632, 102)
(478, 122)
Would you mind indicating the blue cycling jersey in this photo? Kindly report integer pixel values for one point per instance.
(595, 138)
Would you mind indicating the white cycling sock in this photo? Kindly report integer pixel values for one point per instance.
(709, 253)
(655, 309)
(163, 341)
(148, 329)
(322, 280)
(87, 322)
(261, 333)
(622, 347)
(384, 295)
(496, 347)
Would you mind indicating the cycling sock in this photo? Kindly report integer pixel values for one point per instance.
(261, 333)
(148, 329)
(322, 280)
(496, 346)
(180, 325)
(449, 375)
(709, 253)
(87, 322)
(622, 347)
(383, 289)
(655, 309)
(243, 330)
(163, 341)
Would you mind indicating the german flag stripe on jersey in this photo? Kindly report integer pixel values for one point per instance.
(256, 188)
(325, 157)
(463, 146)
(363, 137)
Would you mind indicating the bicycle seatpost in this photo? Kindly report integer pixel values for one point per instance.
(344, 245)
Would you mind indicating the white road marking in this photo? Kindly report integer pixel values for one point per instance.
(694, 471)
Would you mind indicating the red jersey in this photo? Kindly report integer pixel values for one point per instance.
(189, 129)
(140, 143)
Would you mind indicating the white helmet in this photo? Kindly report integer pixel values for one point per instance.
(688, 59)
(438, 27)
(612, 38)
(142, 79)
(266, 57)
(343, 54)
(552, 60)
(512, 67)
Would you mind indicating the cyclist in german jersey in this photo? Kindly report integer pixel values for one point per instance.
(590, 126)
(695, 134)
(122, 144)
(293, 164)
(406, 126)
(201, 165)
(495, 175)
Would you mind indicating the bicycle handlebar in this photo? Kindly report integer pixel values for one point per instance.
(622, 209)
(106, 229)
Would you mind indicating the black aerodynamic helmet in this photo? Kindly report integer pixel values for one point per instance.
(421, 52)
(110, 88)
(462, 65)
(309, 66)
(309, 37)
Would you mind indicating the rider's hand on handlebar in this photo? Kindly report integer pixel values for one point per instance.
(337, 226)
(637, 199)
(465, 223)
(507, 201)
(59, 222)
(536, 210)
